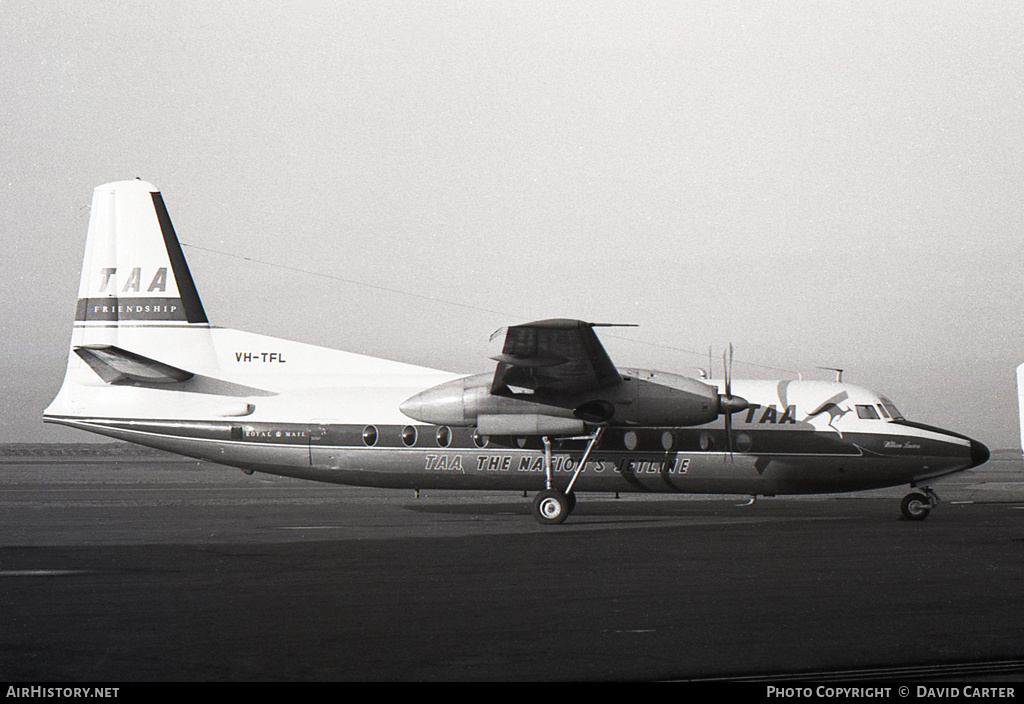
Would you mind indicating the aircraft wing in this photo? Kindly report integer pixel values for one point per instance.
(118, 366)
(558, 355)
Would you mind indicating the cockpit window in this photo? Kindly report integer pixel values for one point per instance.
(893, 412)
(881, 409)
(867, 412)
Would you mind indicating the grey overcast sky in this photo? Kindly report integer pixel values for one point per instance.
(819, 183)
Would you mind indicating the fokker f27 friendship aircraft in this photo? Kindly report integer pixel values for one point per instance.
(556, 416)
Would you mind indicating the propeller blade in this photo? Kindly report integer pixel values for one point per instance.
(727, 403)
(727, 366)
(728, 371)
(728, 436)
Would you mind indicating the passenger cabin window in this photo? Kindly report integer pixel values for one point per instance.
(409, 436)
(444, 436)
(369, 436)
(867, 412)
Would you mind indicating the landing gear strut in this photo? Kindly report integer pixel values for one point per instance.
(918, 504)
(551, 506)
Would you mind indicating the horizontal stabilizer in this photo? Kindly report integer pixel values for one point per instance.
(117, 366)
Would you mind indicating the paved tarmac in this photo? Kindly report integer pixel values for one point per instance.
(128, 570)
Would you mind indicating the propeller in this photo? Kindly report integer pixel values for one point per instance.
(727, 403)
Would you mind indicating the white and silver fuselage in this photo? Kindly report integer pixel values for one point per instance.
(285, 408)
(146, 366)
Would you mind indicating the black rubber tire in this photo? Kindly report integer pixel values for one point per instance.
(551, 507)
(571, 498)
(915, 506)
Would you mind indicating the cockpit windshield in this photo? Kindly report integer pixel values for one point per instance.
(867, 412)
(890, 409)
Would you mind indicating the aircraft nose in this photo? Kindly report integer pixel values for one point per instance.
(979, 453)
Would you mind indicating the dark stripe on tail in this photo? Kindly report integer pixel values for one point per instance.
(194, 312)
(117, 309)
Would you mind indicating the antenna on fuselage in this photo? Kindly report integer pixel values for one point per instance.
(706, 373)
(839, 372)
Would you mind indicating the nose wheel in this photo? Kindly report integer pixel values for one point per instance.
(918, 504)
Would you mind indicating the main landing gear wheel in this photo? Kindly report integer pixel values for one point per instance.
(915, 506)
(552, 507)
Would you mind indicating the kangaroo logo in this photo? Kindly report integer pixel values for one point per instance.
(834, 411)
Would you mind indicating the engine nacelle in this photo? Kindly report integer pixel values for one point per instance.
(641, 398)
(527, 424)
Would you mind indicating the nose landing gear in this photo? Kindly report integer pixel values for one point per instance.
(918, 504)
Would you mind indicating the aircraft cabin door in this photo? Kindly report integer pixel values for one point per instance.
(327, 442)
(321, 453)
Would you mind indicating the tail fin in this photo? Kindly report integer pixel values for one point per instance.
(139, 321)
(134, 270)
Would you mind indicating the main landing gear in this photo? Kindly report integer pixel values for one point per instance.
(551, 506)
(918, 504)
